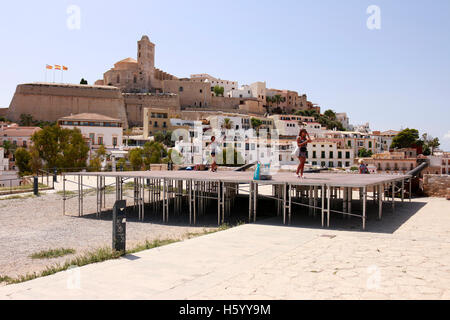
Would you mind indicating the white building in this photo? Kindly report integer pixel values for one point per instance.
(227, 85)
(243, 92)
(4, 162)
(343, 119)
(330, 153)
(237, 122)
(290, 125)
(97, 129)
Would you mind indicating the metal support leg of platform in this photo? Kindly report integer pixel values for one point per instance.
(328, 206)
(393, 197)
(410, 196)
(64, 194)
(380, 201)
(403, 190)
(364, 207)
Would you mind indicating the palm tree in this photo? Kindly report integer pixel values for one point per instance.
(127, 133)
(278, 99)
(227, 124)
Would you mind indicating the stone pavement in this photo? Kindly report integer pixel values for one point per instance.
(405, 256)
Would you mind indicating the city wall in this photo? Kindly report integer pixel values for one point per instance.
(436, 185)
(49, 102)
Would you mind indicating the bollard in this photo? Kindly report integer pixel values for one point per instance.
(55, 173)
(119, 226)
(35, 186)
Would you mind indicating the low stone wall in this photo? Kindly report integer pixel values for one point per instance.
(436, 185)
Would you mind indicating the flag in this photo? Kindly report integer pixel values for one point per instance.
(49, 67)
(65, 68)
(57, 67)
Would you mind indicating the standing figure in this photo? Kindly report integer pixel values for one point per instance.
(213, 150)
(301, 151)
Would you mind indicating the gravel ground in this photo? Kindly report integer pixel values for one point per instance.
(36, 223)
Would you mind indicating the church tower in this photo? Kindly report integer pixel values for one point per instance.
(146, 63)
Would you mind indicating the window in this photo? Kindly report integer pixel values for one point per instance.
(180, 89)
(349, 143)
(331, 155)
(100, 140)
(347, 155)
(347, 164)
(114, 141)
(92, 137)
(340, 164)
(330, 164)
(322, 164)
(370, 144)
(314, 155)
(323, 154)
(339, 154)
(24, 143)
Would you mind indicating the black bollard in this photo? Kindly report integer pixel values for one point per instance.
(119, 226)
(55, 173)
(35, 185)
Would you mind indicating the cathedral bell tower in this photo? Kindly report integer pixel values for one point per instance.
(146, 63)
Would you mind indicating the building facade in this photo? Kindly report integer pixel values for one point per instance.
(96, 129)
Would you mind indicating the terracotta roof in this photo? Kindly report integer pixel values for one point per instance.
(18, 131)
(89, 117)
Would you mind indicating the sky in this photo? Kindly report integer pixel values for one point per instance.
(395, 76)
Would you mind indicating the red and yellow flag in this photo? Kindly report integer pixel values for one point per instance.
(49, 67)
(65, 68)
(57, 67)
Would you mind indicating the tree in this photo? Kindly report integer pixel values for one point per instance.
(363, 153)
(136, 160)
(430, 144)
(330, 114)
(165, 138)
(95, 164)
(61, 148)
(406, 138)
(101, 152)
(256, 124)
(35, 161)
(26, 120)
(23, 158)
(278, 99)
(7, 145)
(121, 164)
(227, 124)
(127, 133)
(83, 81)
(153, 152)
(219, 91)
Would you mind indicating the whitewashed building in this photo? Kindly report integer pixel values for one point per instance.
(97, 129)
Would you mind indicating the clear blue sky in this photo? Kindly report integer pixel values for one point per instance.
(395, 77)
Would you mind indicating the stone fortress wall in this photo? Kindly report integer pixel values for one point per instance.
(49, 101)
